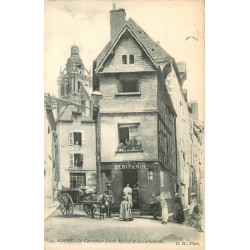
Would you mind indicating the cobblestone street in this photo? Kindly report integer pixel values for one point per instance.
(81, 228)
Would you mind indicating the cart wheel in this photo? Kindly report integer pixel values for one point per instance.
(88, 208)
(66, 204)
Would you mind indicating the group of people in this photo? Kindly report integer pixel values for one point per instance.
(126, 203)
(164, 200)
(178, 212)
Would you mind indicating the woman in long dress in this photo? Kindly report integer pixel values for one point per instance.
(178, 214)
(128, 191)
(164, 207)
(125, 208)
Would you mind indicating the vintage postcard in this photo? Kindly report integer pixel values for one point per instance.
(124, 124)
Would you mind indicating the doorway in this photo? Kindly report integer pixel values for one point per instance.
(131, 177)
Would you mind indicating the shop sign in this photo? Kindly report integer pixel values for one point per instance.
(125, 166)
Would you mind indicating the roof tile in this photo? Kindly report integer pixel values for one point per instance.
(153, 48)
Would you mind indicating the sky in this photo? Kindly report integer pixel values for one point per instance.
(177, 24)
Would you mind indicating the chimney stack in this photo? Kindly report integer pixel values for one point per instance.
(117, 21)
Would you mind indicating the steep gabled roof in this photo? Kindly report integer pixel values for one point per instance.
(103, 53)
(67, 115)
(126, 29)
(152, 47)
(155, 51)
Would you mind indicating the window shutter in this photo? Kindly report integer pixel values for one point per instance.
(119, 85)
(71, 139)
(83, 137)
(134, 130)
(71, 161)
(81, 158)
(139, 84)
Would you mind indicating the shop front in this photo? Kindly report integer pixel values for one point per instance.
(142, 177)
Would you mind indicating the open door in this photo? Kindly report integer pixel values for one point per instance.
(131, 177)
(116, 186)
(144, 195)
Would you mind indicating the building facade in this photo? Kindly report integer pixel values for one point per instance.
(198, 154)
(137, 117)
(145, 132)
(188, 143)
(49, 168)
(76, 130)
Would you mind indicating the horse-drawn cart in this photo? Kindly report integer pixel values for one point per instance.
(70, 198)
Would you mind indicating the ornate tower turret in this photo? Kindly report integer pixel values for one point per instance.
(74, 62)
(74, 81)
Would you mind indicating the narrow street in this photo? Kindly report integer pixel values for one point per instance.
(81, 228)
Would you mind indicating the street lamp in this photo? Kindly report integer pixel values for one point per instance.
(96, 97)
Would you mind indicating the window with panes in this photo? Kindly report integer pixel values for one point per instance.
(129, 137)
(76, 160)
(150, 175)
(128, 85)
(76, 138)
(77, 179)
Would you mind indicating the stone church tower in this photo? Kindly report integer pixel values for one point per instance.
(75, 83)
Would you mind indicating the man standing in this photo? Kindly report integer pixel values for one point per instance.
(178, 214)
(154, 201)
(109, 200)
